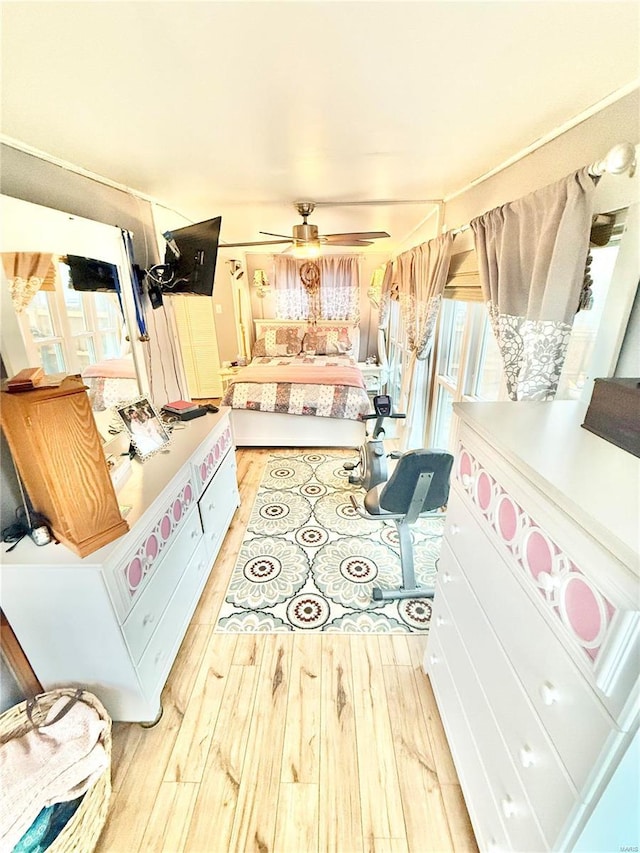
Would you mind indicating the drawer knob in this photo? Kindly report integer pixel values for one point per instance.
(548, 693)
(156, 659)
(148, 619)
(446, 577)
(508, 807)
(527, 756)
(454, 529)
(467, 479)
(195, 534)
(201, 565)
(440, 620)
(434, 659)
(212, 506)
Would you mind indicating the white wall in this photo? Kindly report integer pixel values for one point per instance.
(586, 143)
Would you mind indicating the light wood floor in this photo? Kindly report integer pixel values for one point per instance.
(286, 743)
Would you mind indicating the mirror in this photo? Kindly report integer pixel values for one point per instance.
(57, 327)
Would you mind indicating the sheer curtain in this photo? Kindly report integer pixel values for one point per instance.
(338, 294)
(532, 255)
(421, 276)
(340, 288)
(292, 300)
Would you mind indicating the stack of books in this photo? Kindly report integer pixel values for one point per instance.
(26, 380)
(184, 410)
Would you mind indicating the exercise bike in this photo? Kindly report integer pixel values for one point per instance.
(372, 460)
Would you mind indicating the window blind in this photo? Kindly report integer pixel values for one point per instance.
(463, 281)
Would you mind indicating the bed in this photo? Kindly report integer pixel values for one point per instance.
(302, 387)
(110, 381)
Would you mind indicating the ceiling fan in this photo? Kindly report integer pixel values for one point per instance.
(306, 236)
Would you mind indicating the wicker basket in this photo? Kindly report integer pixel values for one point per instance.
(81, 833)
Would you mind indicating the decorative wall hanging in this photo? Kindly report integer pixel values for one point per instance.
(310, 276)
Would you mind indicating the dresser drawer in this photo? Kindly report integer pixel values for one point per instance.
(542, 774)
(218, 504)
(209, 460)
(160, 653)
(145, 616)
(129, 576)
(588, 597)
(487, 825)
(510, 801)
(571, 713)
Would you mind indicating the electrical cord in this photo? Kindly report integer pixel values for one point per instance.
(16, 532)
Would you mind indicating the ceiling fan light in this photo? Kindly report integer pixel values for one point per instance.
(309, 249)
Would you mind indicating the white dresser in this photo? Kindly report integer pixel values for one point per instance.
(113, 621)
(534, 649)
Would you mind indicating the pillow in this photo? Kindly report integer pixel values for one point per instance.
(283, 340)
(327, 341)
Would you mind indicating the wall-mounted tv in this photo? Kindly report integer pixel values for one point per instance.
(90, 274)
(194, 270)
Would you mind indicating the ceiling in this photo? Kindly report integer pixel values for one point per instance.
(241, 108)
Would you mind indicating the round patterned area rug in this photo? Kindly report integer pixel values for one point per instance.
(309, 562)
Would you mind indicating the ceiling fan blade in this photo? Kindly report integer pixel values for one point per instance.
(357, 235)
(347, 242)
(271, 234)
(258, 243)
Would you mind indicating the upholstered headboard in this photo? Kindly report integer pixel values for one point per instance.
(354, 328)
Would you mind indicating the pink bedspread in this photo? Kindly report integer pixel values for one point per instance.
(303, 374)
(111, 368)
(319, 385)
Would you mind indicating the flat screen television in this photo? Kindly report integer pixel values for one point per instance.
(194, 271)
(90, 274)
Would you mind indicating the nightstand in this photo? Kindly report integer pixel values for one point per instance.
(226, 374)
(373, 379)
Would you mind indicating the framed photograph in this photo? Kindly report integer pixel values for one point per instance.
(146, 430)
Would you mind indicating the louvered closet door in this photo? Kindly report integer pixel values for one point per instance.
(197, 333)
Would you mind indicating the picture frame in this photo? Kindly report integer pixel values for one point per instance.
(146, 430)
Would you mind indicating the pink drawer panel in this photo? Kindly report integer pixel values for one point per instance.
(151, 547)
(208, 464)
(569, 594)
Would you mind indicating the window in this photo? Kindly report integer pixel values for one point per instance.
(397, 353)
(66, 330)
(586, 325)
(467, 366)
(324, 289)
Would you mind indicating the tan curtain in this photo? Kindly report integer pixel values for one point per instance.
(421, 276)
(27, 273)
(531, 258)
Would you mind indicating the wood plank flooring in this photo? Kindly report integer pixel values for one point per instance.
(286, 743)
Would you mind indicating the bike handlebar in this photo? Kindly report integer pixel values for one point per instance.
(372, 417)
